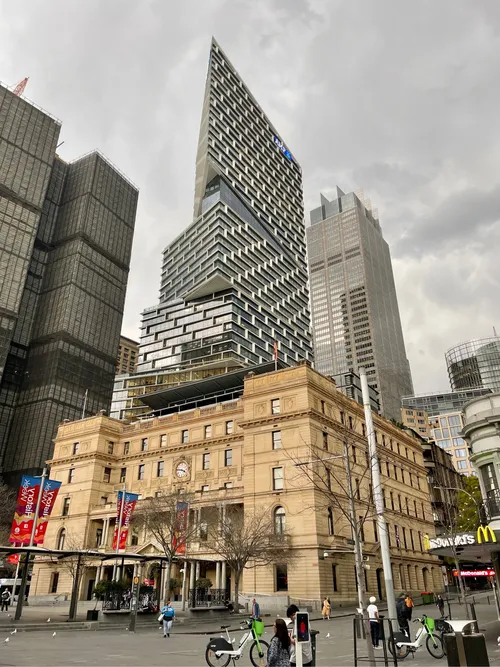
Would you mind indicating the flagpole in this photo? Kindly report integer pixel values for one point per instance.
(120, 520)
(16, 577)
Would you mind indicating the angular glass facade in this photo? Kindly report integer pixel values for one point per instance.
(442, 402)
(355, 311)
(235, 281)
(67, 322)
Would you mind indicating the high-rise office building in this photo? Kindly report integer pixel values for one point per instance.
(235, 281)
(444, 402)
(128, 353)
(66, 236)
(353, 298)
(475, 363)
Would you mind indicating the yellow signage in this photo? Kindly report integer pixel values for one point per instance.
(427, 543)
(485, 534)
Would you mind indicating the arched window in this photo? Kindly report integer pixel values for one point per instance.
(279, 521)
(331, 525)
(61, 539)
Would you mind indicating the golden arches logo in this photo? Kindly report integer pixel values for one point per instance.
(485, 534)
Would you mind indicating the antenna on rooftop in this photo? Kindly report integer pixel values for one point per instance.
(19, 89)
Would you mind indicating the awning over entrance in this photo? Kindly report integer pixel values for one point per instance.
(466, 546)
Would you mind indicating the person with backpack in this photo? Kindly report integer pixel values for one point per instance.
(5, 597)
(409, 605)
(168, 615)
(403, 613)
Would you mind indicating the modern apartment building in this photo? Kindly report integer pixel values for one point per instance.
(128, 352)
(67, 233)
(235, 281)
(241, 454)
(475, 363)
(418, 420)
(447, 432)
(353, 299)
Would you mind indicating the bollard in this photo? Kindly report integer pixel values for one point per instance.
(313, 634)
(466, 650)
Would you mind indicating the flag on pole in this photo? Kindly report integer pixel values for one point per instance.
(179, 536)
(128, 509)
(13, 558)
(24, 515)
(49, 495)
(275, 350)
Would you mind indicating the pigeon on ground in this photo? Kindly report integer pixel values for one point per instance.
(48, 620)
(10, 615)
(5, 640)
(54, 634)
(328, 635)
(14, 631)
(498, 641)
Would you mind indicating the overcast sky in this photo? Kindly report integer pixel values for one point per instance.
(399, 98)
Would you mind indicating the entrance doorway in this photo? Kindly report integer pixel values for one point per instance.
(90, 588)
(380, 583)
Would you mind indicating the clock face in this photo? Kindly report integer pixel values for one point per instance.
(182, 469)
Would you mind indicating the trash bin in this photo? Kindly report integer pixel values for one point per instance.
(92, 614)
(313, 634)
(427, 598)
(465, 647)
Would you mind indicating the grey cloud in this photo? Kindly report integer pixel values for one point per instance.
(400, 99)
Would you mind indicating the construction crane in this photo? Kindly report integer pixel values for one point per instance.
(19, 89)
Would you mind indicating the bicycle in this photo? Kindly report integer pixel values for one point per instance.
(220, 651)
(400, 645)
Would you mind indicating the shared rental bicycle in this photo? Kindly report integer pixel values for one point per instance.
(220, 650)
(427, 635)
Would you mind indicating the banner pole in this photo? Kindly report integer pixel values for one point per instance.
(120, 519)
(15, 578)
(24, 578)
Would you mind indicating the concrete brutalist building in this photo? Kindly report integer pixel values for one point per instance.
(66, 234)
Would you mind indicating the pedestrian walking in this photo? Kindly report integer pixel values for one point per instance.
(440, 605)
(168, 615)
(403, 613)
(327, 608)
(409, 604)
(372, 610)
(255, 609)
(307, 655)
(278, 653)
(5, 598)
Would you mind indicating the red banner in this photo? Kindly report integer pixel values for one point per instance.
(125, 515)
(475, 573)
(13, 558)
(24, 516)
(179, 537)
(49, 495)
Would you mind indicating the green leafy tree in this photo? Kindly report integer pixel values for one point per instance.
(469, 505)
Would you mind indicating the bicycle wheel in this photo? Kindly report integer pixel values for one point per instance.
(259, 658)
(434, 645)
(214, 661)
(401, 651)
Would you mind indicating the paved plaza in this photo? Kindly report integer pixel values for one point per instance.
(119, 648)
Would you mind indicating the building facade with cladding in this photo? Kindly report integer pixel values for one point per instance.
(235, 281)
(354, 304)
(243, 453)
(69, 305)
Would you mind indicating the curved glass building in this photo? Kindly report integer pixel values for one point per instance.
(475, 363)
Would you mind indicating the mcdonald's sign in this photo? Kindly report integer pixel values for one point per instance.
(485, 534)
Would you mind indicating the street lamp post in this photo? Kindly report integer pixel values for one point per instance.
(358, 554)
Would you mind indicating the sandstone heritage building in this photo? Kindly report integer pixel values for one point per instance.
(236, 440)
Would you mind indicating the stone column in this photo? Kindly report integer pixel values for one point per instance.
(217, 575)
(223, 575)
(197, 575)
(98, 575)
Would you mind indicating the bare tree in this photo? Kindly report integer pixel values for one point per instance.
(165, 520)
(247, 540)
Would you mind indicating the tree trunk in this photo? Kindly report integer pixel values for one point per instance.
(237, 576)
(167, 582)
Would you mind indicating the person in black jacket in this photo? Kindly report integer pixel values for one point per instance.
(404, 615)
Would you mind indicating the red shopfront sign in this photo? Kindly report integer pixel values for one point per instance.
(475, 573)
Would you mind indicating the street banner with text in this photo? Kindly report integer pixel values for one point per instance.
(179, 537)
(49, 495)
(24, 516)
(126, 516)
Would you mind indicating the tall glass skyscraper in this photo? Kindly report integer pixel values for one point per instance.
(235, 281)
(66, 234)
(353, 296)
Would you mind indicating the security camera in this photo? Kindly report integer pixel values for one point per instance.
(325, 554)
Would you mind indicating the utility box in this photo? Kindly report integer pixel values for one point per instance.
(472, 652)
